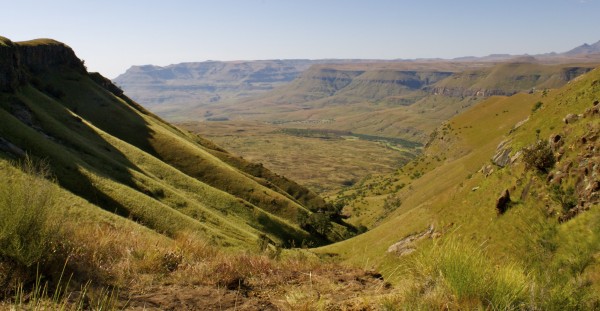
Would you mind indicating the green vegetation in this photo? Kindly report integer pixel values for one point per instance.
(539, 156)
(322, 165)
(27, 225)
(458, 274)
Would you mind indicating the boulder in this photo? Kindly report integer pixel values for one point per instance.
(503, 202)
(570, 118)
(502, 156)
(556, 141)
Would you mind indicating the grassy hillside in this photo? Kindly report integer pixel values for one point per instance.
(103, 205)
(439, 225)
(60, 252)
(107, 149)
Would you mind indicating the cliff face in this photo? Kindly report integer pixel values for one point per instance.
(188, 84)
(9, 64)
(19, 59)
(46, 54)
(507, 79)
(464, 92)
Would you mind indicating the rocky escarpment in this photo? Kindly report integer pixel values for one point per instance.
(575, 180)
(465, 92)
(333, 84)
(10, 75)
(506, 79)
(189, 84)
(18, 60)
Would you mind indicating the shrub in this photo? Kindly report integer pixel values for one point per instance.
(26, 200)
(566, 198)
(539, 156)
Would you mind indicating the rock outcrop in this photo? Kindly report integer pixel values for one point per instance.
(10, 76)
(576, 181)
(502, 156)
(503, 202)
(468, 92)
(19, 59)
(407, 244)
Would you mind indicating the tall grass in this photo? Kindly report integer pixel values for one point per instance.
(26, 222)
(458, 275)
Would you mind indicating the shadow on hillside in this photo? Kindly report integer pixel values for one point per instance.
(56, 130)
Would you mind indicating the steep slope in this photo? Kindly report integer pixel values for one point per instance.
(475, 191)
(109, 150)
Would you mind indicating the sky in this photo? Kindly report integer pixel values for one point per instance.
(113, 35)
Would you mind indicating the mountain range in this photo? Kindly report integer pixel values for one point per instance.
(172, 89)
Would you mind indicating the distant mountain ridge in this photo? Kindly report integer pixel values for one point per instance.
(584, 49)
(168, 90)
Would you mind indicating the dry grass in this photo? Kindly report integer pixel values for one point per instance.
(128, 266)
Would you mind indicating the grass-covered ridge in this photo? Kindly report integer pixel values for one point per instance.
(537, 251)
(105, 148)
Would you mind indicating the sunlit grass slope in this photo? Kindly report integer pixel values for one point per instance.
(454, 188)
(107, 149)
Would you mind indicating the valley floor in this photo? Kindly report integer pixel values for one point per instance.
(323, 162)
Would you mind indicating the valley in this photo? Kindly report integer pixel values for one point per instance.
(468, 184)
(387, 101)
(323, 161)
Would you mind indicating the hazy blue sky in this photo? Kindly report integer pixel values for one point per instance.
(112, 35)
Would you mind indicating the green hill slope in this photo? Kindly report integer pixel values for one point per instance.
(446, 204)
(107, 149)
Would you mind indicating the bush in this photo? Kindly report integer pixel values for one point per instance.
(26, 199)
(566, 198)
(539, 156)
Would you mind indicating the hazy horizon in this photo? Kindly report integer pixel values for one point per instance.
(112, 36)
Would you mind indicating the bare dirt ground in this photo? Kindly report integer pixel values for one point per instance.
(332, 290)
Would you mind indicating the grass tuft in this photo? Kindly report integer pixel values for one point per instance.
(460, 275)
(26, 224)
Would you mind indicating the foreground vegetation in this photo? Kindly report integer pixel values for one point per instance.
(95, 260)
